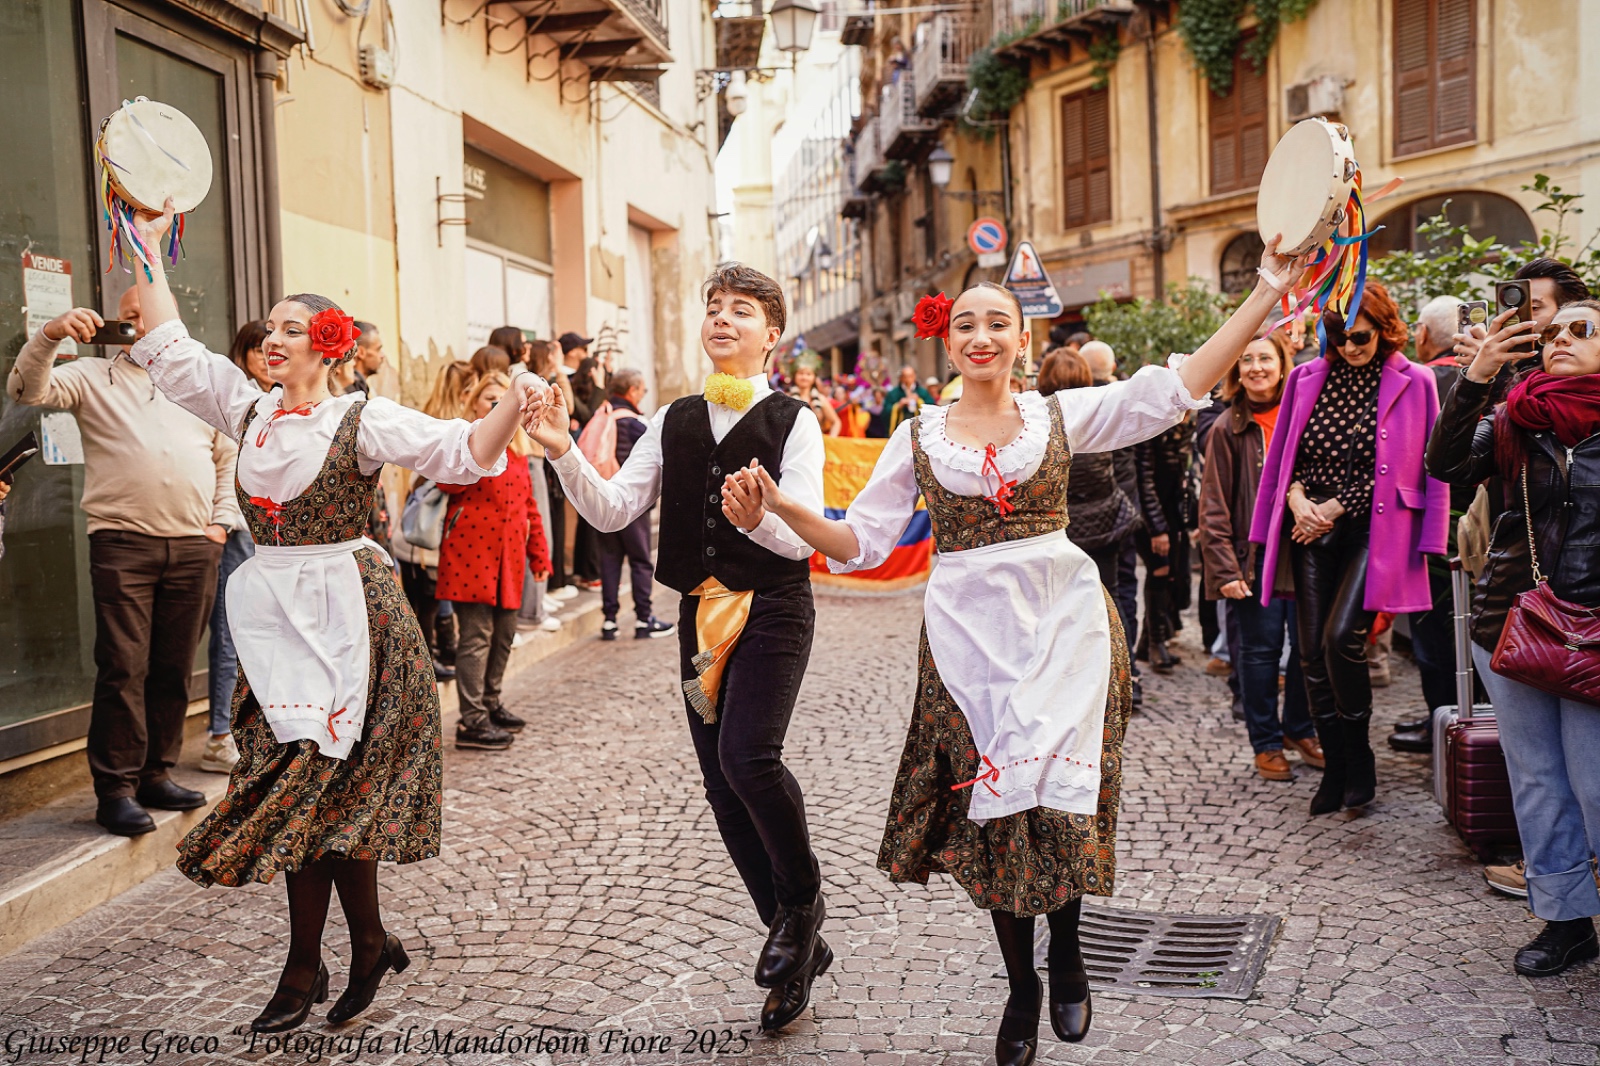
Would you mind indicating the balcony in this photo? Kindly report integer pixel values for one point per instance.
(853, 201)
(1040, 27)
(870, 162)
(901, 130)
(614, 37)
(939, 62)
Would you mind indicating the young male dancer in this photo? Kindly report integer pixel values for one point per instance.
(746, 616)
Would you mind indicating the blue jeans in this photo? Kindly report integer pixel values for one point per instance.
(1552, 748)
(222, 659)
(1261, 633)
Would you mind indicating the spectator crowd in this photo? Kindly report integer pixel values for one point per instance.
(1308, 516)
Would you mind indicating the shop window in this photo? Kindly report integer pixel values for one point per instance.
(1238, 128)
(1435, 74)
(1484, 214)
(1086, 158)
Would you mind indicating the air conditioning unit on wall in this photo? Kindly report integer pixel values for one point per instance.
(1319, 96)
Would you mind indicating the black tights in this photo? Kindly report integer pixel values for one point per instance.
(310, 890)
(1069, 982)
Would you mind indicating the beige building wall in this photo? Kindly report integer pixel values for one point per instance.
(1531, 86)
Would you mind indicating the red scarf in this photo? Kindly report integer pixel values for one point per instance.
(1567, 406)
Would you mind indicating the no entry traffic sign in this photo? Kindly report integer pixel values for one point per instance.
(986, 236)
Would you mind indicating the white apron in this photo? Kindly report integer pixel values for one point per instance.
(1021, 639)
(298, 615)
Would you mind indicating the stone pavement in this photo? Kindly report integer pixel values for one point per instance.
(583, 892)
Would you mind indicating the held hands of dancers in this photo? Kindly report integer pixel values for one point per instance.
(751, 492)
(545, 417)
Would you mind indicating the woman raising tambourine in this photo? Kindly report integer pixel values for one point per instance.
(1011, 774)
(336, 712)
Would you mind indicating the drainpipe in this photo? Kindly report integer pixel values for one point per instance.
(267, 111)
(1157, 234)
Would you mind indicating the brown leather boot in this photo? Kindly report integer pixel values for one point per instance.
(1310, 750)
(1272, 766)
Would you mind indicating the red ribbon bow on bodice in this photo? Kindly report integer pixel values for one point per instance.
(1001, 497)
(274, 514)
(299, 409)
(991, 774)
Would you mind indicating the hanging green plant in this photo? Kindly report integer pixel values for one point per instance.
(1104, 50)
(1210, 30)
(1000, 84)
(893, 177)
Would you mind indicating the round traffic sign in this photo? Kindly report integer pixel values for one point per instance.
(986, 235)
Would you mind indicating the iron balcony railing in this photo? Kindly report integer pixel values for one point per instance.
(900, 127)
(651, 14)
(940, 59)
(1016, 19)
(869, 157)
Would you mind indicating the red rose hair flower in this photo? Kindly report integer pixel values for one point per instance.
(932, 317)
(333, 333)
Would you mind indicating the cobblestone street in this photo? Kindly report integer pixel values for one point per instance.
(584, 889)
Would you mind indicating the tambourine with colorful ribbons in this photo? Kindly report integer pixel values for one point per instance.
(1311, 194)
(149, 152)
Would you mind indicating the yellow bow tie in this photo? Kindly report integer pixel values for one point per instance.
(729, 391)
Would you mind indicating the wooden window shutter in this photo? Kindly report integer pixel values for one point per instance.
(1435, 74)
(1238, 129)
(1086, 158)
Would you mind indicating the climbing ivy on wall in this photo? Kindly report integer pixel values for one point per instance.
(1210, 30)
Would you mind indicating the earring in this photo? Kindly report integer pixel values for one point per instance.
(327, 360)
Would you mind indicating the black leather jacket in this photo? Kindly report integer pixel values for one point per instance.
(1163, 471)
(1564, 491)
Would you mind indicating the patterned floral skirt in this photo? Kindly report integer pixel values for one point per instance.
(1028, 863)
(288, 805)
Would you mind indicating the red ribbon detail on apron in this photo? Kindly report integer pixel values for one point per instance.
(991, 774)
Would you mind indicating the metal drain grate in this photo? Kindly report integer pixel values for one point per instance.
(1187, 956)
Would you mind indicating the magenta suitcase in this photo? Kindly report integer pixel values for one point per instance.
(1472, 784)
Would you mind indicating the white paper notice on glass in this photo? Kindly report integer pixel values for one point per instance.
(47, 291)
(60, 443)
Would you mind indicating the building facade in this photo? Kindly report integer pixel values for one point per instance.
(437, 168)
(1128, 173)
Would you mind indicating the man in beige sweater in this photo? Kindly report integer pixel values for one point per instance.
(158, 494)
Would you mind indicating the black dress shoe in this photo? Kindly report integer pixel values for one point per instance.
(1416, 725)
(1162, 661)
(358, 997)
(1560, 945)
(1071, 1020)
(506, 720)
(124, 817)
(1009, 1051)
(1418, 740)
(289, 1007)
(168, 795)
(790, 944)
(788, 1001)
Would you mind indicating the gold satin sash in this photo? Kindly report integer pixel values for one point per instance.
(719, 621)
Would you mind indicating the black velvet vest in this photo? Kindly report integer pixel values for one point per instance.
(697, 540)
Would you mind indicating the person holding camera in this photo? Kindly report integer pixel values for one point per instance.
(1543, 445)
(1539, 289)
(158, 496)
(1344, 481)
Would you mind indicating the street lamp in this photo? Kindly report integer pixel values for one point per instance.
(940, 163)
(792, 24)
(736, 95)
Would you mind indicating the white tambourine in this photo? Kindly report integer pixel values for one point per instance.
(151, 151)
(1306, 185)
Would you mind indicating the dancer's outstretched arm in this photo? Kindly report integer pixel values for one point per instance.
(1202, 370)
(748, 492)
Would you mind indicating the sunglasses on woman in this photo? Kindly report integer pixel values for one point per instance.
(1581, 329)
(1359, 337)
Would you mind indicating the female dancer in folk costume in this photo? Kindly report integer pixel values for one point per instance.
(1011, 773)
(336, 713)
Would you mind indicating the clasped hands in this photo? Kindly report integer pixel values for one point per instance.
(1311, 520)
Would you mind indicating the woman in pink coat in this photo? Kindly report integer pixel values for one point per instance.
(1345, 468)
(491, 527)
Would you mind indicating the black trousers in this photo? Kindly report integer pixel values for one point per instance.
(757, 803)
(1433, 644)
(1157, 589)
(632, 542)
(1330, 583)
(152, 597)
(1127, 593)
(555, 526)
(419, 589)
